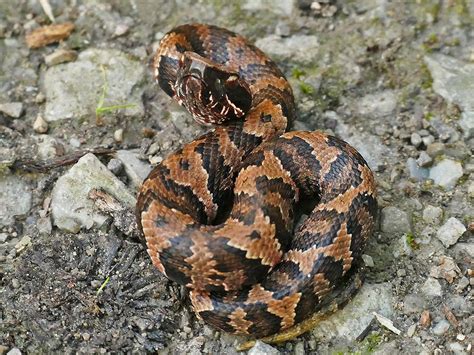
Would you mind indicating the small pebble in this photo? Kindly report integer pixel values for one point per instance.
(44, 225)
(115, 166)
(415, 140)
(401, 272)
(40, 125)
(411, 330)
(118, 135)
(40, 98)
(3, 237)
(424, 159)
(15, 283)
(435, 149)
(75, 143)
(441, 327)
(368, 261)
(155, 160)
(428, 140)
(86, 336)
(460, 337)
(462, 284)
(121, 30)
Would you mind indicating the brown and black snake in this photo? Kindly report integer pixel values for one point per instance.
(218, 215)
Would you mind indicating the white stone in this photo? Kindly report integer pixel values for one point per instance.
(450, 232)
(40, 125)
(70, 205)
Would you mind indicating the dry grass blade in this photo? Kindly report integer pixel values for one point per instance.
(47, 9)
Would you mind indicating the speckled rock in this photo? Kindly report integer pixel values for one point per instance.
(446, 173)
(123, 75)
(395, 221)
(15, 195)
(450, 232)
(71, 208)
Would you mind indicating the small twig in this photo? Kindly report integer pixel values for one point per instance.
(366, 331)
(47, 9)
(42, 166)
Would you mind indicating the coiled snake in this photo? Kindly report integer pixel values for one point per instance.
(218, 215)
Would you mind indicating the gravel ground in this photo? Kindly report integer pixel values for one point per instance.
(393, 78)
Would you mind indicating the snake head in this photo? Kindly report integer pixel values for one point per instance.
(211, 92)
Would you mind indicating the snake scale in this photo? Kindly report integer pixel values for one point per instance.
(218, 215)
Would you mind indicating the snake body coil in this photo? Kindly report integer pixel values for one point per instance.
(218, 214)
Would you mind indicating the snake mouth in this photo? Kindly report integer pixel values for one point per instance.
(210, 92)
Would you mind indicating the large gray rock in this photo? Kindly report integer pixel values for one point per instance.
(73, 90)
(446, 173)
(70, 205)
(454, 80)
(345, 325)
(15, 197)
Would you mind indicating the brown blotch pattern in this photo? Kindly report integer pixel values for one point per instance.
(187, 187)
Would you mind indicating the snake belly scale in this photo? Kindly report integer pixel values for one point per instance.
(218, 215)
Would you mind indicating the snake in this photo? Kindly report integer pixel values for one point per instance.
(261, 224)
